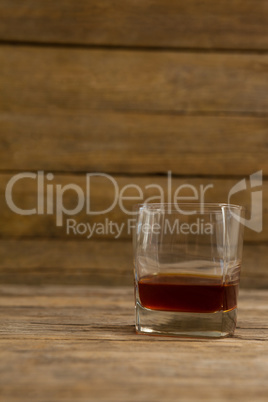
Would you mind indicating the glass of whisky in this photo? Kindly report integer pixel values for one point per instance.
(187, 260)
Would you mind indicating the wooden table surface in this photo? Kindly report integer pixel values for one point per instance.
(79, 344)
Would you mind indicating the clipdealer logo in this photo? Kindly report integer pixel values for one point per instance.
(53, 202)
(50, 201)
(255, 221)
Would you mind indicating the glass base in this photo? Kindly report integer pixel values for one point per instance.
(166, 323)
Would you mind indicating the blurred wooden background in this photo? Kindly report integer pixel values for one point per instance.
(133, 89)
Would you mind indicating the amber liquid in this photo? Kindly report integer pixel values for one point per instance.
(192, 294)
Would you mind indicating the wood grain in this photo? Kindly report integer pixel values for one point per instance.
(71, 263)
(134, 143)
(94, 262)
(101, 195)
(79, 344)
(193, 24)
(45, 80)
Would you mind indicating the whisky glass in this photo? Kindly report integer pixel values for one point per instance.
(187, 260)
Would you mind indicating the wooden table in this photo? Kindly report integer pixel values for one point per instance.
(79, 344)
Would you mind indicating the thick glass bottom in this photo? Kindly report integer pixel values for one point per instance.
(166, 323)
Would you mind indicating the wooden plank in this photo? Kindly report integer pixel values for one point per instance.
(86, 338)
(134, 143)
(100, 195)
(60, 262)
(45, 80)
(55, 262)
(67, 307)
(194, 24)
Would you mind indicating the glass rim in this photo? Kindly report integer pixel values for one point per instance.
(174, 207)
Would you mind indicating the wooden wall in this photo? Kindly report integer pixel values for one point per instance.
(132, 89)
